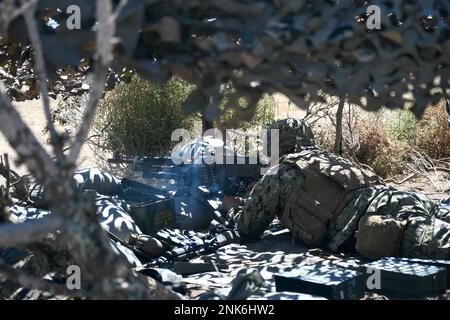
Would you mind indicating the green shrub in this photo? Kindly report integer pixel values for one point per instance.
(402, 125)
(137, 118)
(264, 115)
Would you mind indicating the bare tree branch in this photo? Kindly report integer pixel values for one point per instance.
(39, 70)
(105, 33)
(19, 234)
(81, 234)
(9, 12)
(338, 138)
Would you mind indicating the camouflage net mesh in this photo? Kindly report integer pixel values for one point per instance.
(304, 49)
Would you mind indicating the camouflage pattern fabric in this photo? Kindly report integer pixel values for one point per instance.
(84, 179)
(112, 212)
(19, 214)
(265, 201)
(98, 180)
(293, 134)
(114, 219)
(427, 234)
(126, 253)
(111, 217)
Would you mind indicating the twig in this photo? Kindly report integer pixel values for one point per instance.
(442, 169)
(403, 180)
(9, 12)
(105, 32)
(417, 171)
(40, 70)
(8, 172)
(13, 180)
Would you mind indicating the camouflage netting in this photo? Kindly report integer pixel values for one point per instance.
(304, 49)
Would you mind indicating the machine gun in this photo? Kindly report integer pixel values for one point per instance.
(231, 176)
(192, 250)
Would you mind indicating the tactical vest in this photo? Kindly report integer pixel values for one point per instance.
(329, 183)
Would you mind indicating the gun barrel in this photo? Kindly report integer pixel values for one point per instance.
(190, 251)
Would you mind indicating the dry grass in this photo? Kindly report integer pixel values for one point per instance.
(378, 150)
(389, 141)
(433, 133)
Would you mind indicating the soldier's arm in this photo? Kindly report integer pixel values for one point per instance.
(265, 201)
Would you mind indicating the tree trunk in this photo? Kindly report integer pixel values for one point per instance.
(206, 124)
(338, 138)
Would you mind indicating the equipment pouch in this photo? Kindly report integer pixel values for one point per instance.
(379, 236)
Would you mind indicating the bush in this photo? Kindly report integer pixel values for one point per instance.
(369, 142)
(386, 155)
(386, 140)
(402, 125)
(137, 118)
(264, 115)
(433, 133)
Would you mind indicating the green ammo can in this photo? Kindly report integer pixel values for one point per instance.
(154, 216)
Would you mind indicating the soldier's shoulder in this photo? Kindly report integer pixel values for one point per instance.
(293, 157)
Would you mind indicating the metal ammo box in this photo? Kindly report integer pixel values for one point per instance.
(330, 282)
(406, 278)
(154, 216)
(153, 209)
(438, 263)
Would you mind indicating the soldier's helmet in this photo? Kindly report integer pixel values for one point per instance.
(293, 134)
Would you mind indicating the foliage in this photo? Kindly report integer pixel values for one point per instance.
(402, 126)
(433, 133)
(366, 141)
(430, 135)
(137, 118)
(385, 154)
(385, 140)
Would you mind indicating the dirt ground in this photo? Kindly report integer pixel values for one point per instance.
(33, 115)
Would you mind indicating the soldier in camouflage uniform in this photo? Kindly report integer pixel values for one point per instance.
(328, 201)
